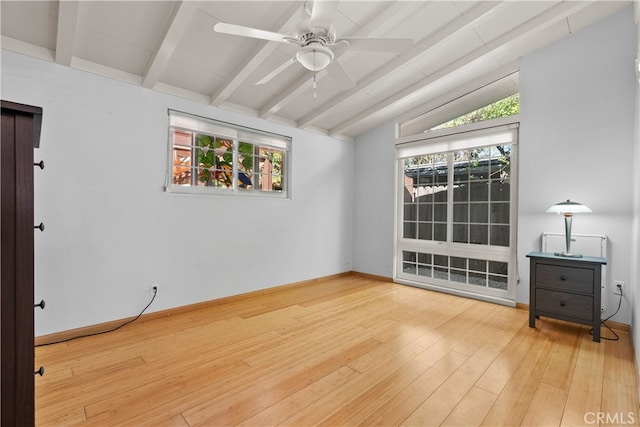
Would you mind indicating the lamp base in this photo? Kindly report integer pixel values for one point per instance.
(564, 254)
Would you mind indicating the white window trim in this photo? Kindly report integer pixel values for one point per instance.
(234, 132)
(456, 133)
(487, 133)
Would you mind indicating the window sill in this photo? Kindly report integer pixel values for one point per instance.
(212, 191)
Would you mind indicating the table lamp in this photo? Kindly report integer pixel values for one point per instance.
(567, 209)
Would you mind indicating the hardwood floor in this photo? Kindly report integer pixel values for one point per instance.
(347, 351)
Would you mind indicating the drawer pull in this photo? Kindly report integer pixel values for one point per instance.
(41, 304)
(563, 303)
(563, 278)
(39, 371)
(40, 164)
(39, 226)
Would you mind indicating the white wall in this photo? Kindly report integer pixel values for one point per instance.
(576, 140)
(111, 231)
(577, 103)
(635, 250)
(374, 185)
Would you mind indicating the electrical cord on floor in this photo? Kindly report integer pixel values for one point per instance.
(155, 292)
(602, 322)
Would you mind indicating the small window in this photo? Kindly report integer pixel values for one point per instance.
(214, 157)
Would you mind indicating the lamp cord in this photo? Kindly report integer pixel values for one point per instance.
(602, 322)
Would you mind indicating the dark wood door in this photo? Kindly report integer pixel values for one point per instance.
(20, 134)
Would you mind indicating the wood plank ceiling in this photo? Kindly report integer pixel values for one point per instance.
(465, 53)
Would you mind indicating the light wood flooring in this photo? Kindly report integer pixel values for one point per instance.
(350, 350)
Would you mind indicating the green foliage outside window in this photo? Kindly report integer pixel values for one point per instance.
(215, 160)
(508, 106)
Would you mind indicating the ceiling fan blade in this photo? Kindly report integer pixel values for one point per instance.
(378, 44)
(340, 47)
(322, 13)
(340, 75)
(239, 30)
(277, 71)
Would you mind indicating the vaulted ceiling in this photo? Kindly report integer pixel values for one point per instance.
(465, 53)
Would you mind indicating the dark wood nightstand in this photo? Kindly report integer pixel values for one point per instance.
(565, 288)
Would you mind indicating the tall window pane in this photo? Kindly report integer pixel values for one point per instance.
(426, 197)
(481, 196)
(182, 171)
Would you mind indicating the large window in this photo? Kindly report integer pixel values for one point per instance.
(215, 157)
(456, 211)
(477, 181)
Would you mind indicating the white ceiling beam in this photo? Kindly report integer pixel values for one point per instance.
(182, 18)
(106, 71)
(67, 24)
(285, 25)
(394, 13)
(463, 21)
(28, 49)
(536, 24)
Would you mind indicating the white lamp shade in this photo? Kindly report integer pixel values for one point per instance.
(568, 207)
(315, 57)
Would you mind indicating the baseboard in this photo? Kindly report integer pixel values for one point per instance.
(83, 331)
(372, 276)
(619, 326)
(107, 326)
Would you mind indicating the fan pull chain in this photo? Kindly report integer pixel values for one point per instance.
(315, 93)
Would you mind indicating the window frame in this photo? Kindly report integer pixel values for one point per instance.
(237, 134)
(482, 134)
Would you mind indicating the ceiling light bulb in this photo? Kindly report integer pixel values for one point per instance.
(315, 57)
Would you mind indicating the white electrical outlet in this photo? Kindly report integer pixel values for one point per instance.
(618, 287)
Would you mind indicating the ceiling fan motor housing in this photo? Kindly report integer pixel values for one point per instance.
(317, 35)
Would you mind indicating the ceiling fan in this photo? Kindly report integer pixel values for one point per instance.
(318, 45)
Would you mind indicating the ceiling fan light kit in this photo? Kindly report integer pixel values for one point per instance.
(315, 57)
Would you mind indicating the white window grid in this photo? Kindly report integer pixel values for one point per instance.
(441, 217)
(262, 141)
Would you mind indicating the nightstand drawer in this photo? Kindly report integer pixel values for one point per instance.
(565, 278)
(566, 304)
